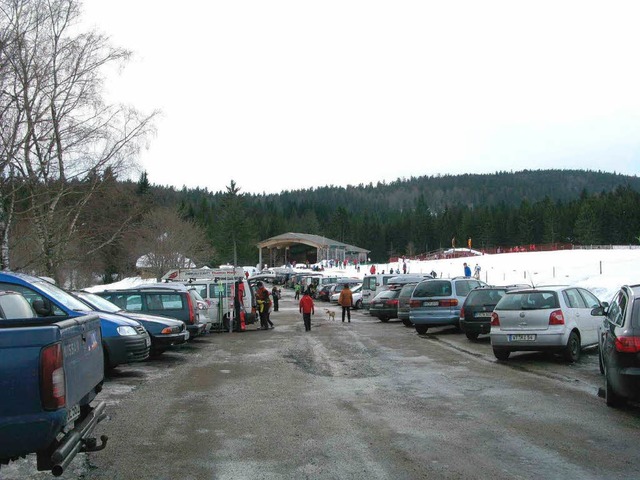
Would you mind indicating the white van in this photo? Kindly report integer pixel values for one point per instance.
(372, 284)
(219, 291)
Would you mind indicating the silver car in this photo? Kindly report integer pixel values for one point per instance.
(559, 319)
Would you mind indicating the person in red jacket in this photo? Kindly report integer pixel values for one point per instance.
(306, 308)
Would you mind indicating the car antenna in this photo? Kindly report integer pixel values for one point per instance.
(531, 279)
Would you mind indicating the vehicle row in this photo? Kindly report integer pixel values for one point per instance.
(56, 347)
(135, 323)
(561, 319)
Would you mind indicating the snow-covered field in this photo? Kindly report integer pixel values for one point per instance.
(601, 271)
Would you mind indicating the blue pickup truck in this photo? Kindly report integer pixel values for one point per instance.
(123, 340)
(50, 372)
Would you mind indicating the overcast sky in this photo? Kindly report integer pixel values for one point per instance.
(288, 94)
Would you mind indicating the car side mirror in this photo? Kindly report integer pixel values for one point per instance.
(598, 311)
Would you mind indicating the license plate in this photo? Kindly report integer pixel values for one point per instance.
(147, 341)
(73, 413)
(483, 314)
(522, 338)
(431, 304)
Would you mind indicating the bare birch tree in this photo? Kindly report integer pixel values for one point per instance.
(67, 137)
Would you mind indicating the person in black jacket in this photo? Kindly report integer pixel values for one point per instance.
(275, 295)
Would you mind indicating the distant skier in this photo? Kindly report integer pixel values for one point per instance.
(476, 272)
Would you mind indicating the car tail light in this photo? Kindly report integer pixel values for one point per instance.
(495, 319)
(462, 313)
(628, 344)
(52, 389)
(393, 302)
(556, 318)
(415, 303)
(192, 311)
(449, 302)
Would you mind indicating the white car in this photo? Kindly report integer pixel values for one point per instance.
(356, 293)
(559, 319)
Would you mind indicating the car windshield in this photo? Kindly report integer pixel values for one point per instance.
(62, 297)
(528, 301)
(433, 288)
(196, 295)
(100, 303)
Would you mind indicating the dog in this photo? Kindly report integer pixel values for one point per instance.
(332, 315)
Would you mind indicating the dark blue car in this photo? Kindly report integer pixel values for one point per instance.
(164, 332)
(123, 340)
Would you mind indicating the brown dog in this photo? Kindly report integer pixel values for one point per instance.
(332, 314)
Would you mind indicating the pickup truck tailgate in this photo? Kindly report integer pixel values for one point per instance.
(23, 418)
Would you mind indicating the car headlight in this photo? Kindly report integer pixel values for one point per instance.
(127, 331)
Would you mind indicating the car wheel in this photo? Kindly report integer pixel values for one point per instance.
(358, 304)
(501, 354)
(421, 329)
(107, 363)
(612, 398)
(384, 319)
(407, 323)
(472, 336)
(572, 350)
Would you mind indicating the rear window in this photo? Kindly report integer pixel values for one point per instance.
(388, 294)
(635, 314)
(528, 301)
(14, 306)
(433, 288)
(407, 290)
(484, 297)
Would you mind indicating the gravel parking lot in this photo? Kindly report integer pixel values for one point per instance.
(360, 400)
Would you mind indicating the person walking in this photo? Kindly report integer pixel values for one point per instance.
(345, 300)
(264, 305)
(297, 289)
(467, 270)
(476, 272)
(275, 294)
(307, 309)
